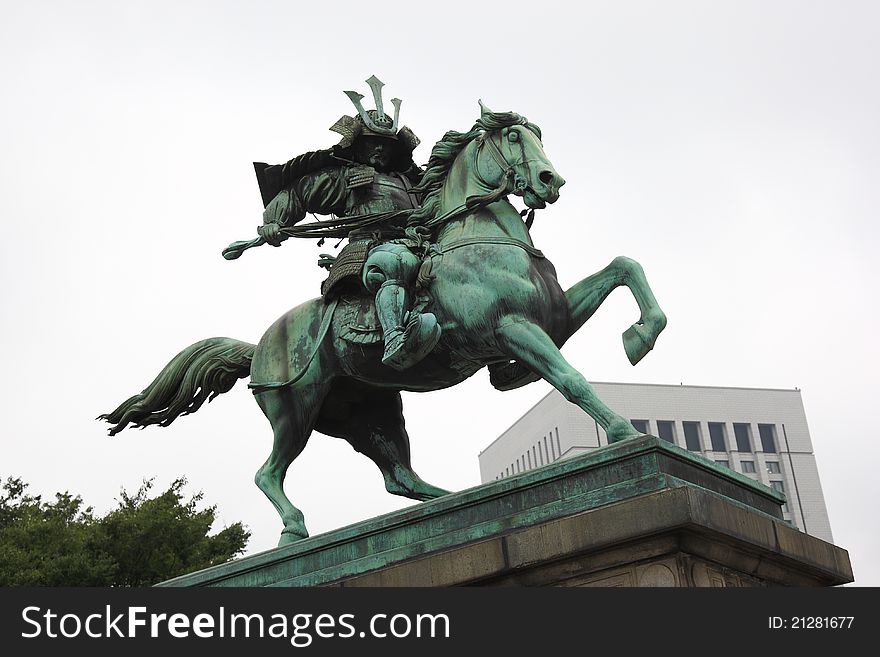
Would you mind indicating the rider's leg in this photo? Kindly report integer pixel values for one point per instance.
(530, 345)
(585, 297)
(389, 272)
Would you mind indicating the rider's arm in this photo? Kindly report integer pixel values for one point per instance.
(304, 164)
(321, 192)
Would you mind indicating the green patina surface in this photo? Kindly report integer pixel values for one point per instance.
(598, 478)
(440, 278)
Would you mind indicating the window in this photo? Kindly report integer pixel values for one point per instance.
(743, 440)
(779, 486)
(747, 466)
(692, 435)
(723, 462)
(773, 467)
(716, 435)
(768, 437)
(640, 425)
(666, 429)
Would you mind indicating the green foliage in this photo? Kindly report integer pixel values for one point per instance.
(143, 541)
(49, 543)
(152, 539)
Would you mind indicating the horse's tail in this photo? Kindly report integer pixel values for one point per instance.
(198, 373)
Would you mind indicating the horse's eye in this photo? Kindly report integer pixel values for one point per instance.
(513, 135)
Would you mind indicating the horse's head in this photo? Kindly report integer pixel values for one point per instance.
(502, 154)
(510, 148)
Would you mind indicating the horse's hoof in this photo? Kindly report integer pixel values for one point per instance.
(415, 489)
(428, 492)
(640, 338)
(621, 430)
(636, 343)
(289, 536)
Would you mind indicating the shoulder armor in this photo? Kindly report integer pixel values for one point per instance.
(360, 176)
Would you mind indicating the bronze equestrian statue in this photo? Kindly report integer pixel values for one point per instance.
(463, 261)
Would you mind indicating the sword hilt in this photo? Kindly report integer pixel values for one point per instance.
(235, 249)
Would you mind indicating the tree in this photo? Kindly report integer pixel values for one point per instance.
(153, 539)
(141, 542)
(49, 543)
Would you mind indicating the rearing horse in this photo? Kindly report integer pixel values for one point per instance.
(495, 296)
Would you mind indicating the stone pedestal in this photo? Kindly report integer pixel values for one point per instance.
(638, 513)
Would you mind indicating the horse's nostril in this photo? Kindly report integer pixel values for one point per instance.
(546, 177)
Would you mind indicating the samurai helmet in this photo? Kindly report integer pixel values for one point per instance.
(374, 122)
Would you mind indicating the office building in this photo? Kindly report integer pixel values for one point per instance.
(761, 433)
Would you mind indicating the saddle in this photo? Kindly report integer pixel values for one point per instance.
(356, 320)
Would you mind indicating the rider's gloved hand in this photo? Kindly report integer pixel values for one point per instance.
(271, 233)
(326, 261)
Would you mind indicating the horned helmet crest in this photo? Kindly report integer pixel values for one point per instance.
(374, 122)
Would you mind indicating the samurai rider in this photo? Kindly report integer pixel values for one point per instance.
(364, 183)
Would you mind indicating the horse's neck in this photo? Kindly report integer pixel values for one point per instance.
(500, 219)
(497, 219)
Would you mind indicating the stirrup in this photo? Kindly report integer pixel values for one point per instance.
(408, 345)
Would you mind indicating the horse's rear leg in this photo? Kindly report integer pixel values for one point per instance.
(372, 422)
(530, 345)
(292, 413)
(585, 297)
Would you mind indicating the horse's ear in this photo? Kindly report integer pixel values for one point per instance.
(484, 111)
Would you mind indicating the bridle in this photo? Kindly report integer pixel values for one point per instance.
(511, 181)
(520, 183)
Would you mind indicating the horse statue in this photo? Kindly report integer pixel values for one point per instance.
(495, 297)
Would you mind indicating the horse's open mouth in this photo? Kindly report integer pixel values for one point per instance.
(533, 201)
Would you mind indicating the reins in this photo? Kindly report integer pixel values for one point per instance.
(511, 182)
(440, 249)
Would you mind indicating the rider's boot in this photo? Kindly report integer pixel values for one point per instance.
(409, 337)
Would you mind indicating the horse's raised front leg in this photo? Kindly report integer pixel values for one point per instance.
(292, 413)
(530, 345)
(585, 297)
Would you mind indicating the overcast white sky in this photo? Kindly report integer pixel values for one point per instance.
(733, 148)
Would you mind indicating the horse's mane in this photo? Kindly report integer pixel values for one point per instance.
(447, 149)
